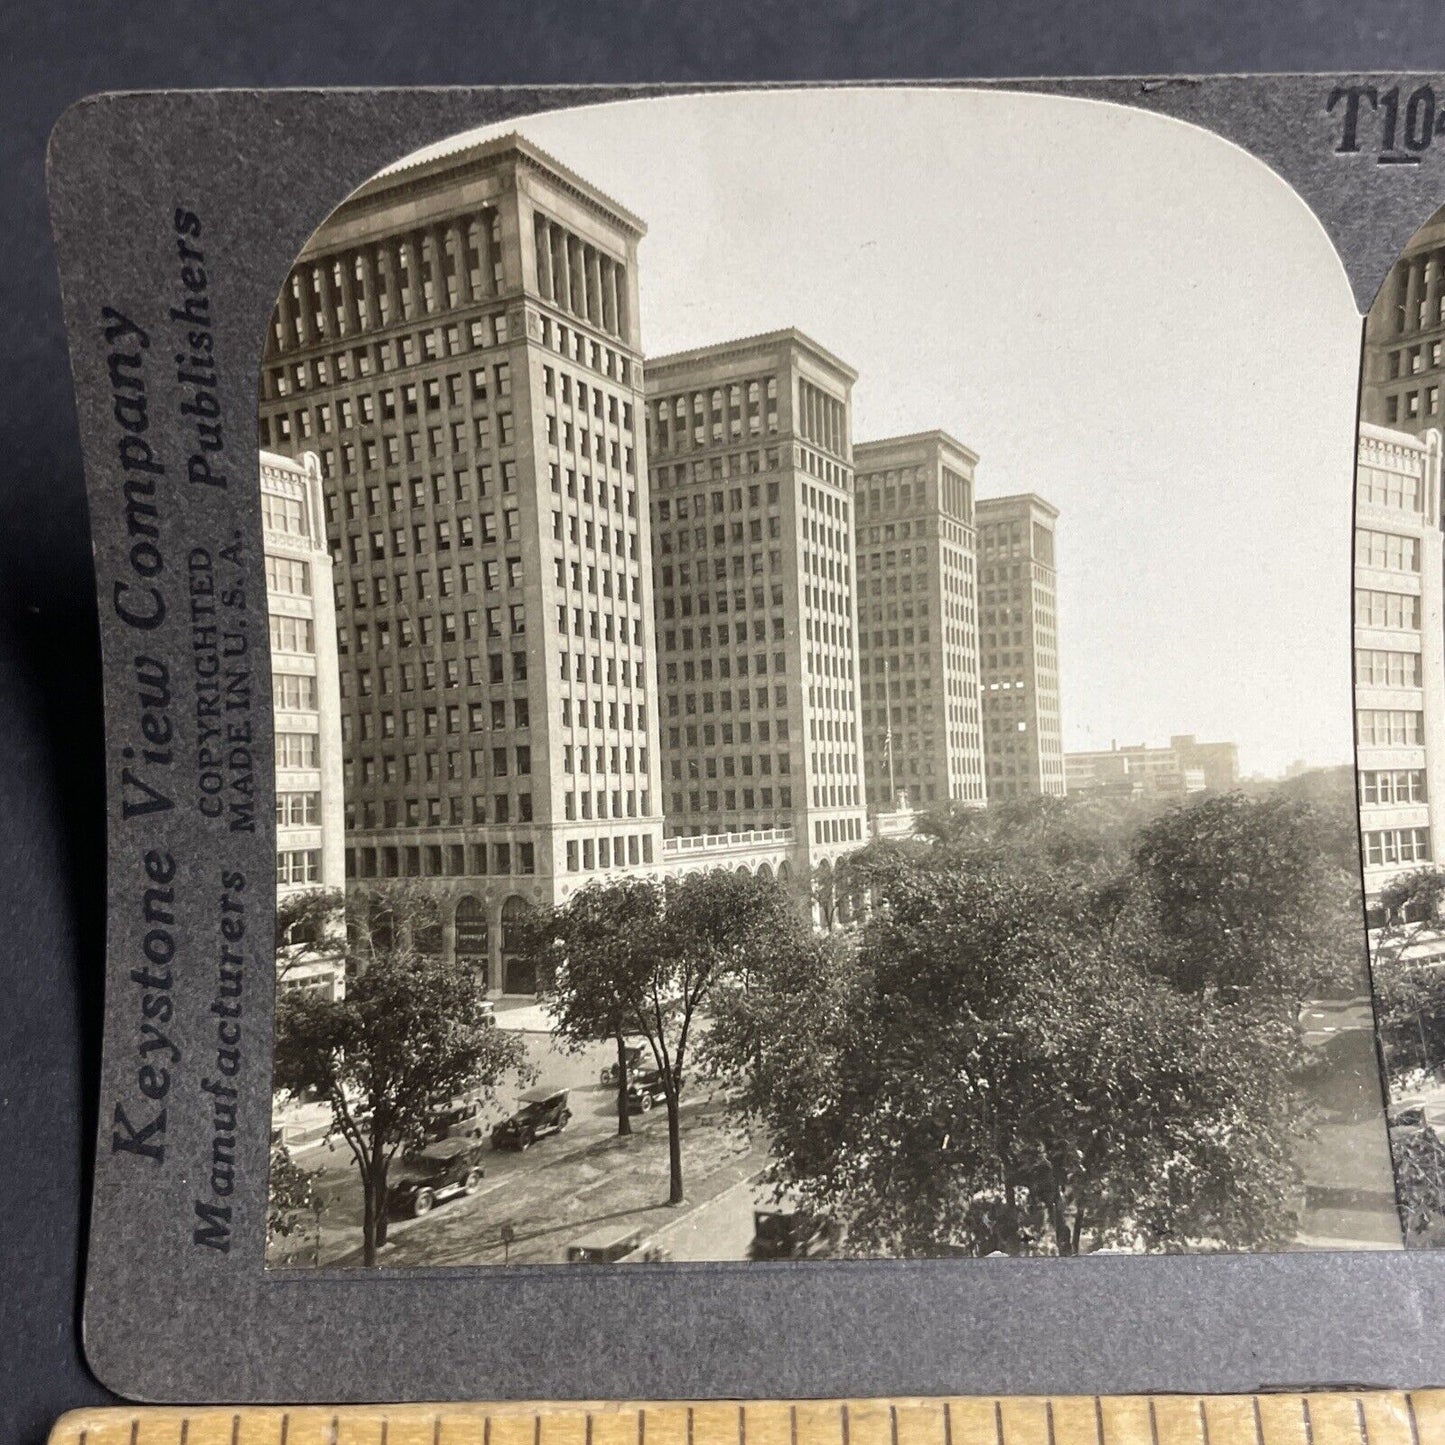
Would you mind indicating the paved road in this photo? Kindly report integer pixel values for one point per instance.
(563, 1188)
(1349, 1178)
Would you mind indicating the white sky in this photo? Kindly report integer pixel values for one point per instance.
(1120, 312)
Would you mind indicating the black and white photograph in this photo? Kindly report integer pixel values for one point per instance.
(811, 644)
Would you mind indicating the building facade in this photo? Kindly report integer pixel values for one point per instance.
(305, 696)
(1185, 766)
(1404, 361)
(918, 635)
(750, 450)
(1399, 648)
(1018, 647)
(459, 344)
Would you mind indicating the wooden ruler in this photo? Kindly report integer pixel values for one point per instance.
(1325, 1418)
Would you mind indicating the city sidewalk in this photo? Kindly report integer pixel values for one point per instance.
(523, 1015)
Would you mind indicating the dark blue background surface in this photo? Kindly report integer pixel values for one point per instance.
(51, 851)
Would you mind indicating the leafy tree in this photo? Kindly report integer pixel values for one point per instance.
(1251, 901)
(1419, 1157)
(1408, 967)
(993, 1069)
(637, 956)
(594, 959)
(291, 1195)
(410, 1032)
(310, 925)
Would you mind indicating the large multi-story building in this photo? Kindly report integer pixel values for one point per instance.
(305, 695)
(750, 450)
(918, 620)
(1018, 646)
(1399, 645)
(1184, 766)
(459, 343)
(1404, 362)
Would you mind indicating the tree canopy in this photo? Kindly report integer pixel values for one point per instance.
(1030, 1048)
(410, 1033)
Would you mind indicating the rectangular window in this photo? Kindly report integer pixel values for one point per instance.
(291, 692)
(298, 866)
(292, 634)
(297, 750)
(298, 810)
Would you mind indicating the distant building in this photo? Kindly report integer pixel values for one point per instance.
(459, 341)
(305, 694)
(1404, 361)
(1018, 647)
(1185, 766)
(1399, 645)
(751, 456)
(918, 620)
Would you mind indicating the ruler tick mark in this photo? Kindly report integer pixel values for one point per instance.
(1361, 1422)
(1153, 1424)
(947, 1423)
(1414, 1423)
(1258, 1420)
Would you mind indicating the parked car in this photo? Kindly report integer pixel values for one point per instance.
(644, 1089)
(605, 1246)
(488, 1011)
(459, 1118)
(432, 1173)
(1406, 1116)
(541, 1113)
(634, 1054)
(784, 1233)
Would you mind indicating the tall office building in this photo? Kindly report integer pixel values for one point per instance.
(305, 696)
(1399, 650)
(753, 526)
(459, 342)
(918, 620)
(1018, 646)
(1404, 362)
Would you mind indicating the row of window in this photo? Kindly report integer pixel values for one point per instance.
(722, 413)
(287, 514)
(383, 357)
(1389, 727)
(295, 866)
(1375, 667)
(1380, 486)
(455, 860)
(727, 799)
(1393, 786)
(1392, 611)
(1396, 845)
(1388, 551)
(586, 854)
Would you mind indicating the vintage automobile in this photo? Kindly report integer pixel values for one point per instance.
(644, 1090)
(541, 1113)
(634, 1054)
(605, 1246)
(459, 1118)
(789, 1233)
(437, 1171)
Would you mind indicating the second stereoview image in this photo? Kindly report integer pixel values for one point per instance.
(813, 714)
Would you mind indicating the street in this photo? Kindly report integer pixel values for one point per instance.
(1349, 1198)
(565, 1187)
(533, 1204)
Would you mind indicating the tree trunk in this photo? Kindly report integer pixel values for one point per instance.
(674, 1149)
(368, 1219)
(374, 1224)
(624, 1114)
